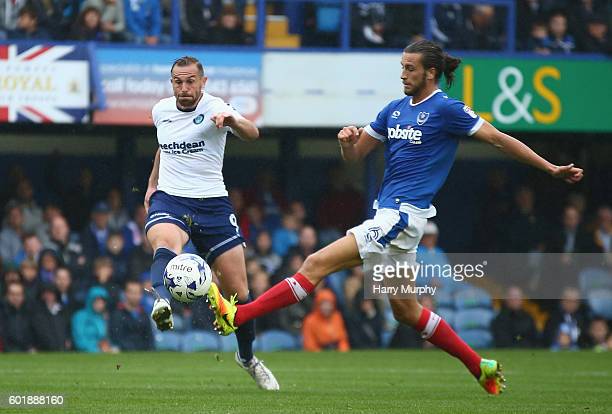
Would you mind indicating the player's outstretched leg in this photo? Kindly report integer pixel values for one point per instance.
(434, 329)
(341, 254)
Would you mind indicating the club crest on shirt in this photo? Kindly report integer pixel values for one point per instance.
(422, 117)
(198, 119)
(374, 233)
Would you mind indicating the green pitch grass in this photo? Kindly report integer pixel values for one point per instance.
(356, 382)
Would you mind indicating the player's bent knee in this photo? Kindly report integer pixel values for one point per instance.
(314, 267)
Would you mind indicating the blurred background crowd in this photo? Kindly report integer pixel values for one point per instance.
(75, 261)
(541, 26)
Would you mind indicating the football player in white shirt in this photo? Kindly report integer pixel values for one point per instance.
(186, 197)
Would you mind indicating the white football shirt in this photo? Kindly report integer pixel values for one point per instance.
(191, 148)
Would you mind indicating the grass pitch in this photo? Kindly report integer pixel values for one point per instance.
(356, 382)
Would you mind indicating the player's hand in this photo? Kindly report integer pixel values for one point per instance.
(148, 194)
(569, 173)
(349, 135)
(223, 119)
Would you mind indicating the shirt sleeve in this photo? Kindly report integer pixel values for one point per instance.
(460, 119)
(378, 128)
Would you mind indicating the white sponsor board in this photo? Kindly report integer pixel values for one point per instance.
(328, 89)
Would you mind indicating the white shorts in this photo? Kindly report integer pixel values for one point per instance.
(389, 232)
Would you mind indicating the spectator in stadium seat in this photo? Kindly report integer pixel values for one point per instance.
(538, 38)
(119, 216)
(448, 23)
(307, 241)
(103, 273)
(139, 260)
(112, 17)
(9, 276)
(32, 213)
(229, 30)
(199, 23)
(15, 320)
(559, 40)
(48, 263)
(571, 237)
(32, 247)
(143, 21)
(94, 236)
(259, 282)
(324, 327)
(90, 324)
(285, 237)
(64, 287)
(115, 246)
(365, 321)
(30, 280)
(603, 232)
(133, 231)
(524, 227)
(369, 26)
(529, 12)
(88, 25)
(50, 322)
(66, 244)
(11, 244)
(264, 255)
(568, 324)
(513, 327)
(28, 26)
(599, 335)
(130, 327)
(481, 31)
(597, 37)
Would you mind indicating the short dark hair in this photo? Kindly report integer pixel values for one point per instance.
(29, 10)
(435, 57)
(187, 61)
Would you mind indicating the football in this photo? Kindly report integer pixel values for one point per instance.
(187, 277)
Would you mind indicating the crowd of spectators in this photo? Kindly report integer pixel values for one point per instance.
(73, 272)
(542, 26)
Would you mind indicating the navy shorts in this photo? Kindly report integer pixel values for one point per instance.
(210, 222)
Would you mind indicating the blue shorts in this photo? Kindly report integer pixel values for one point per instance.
(210, 222)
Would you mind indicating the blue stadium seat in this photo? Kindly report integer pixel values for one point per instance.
(168, 341)
(180, 324)
(473, 319)
(444, 299)
(600, 301)
(472, 298)
(447, 314)
(276, 340)
(200, 341)
(477, 338)
(228, 343)
(594, 278)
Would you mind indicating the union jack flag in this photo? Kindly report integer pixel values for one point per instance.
(65, 96)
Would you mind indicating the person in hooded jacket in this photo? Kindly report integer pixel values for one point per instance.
(324, 327)
(90, 324)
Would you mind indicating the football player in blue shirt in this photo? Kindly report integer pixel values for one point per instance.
(420, 134)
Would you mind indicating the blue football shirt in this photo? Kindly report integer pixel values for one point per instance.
(420, 145)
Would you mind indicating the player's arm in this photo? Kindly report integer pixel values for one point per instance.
(153, 178)
(242, 127)
(355, 143)
(521, 152)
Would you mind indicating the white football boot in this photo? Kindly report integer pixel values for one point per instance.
(259, 372)
(162, 314)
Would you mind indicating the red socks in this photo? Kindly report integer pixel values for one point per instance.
(289, 291)
(438, 332)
